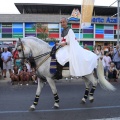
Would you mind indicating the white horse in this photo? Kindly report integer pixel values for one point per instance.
(38, 47)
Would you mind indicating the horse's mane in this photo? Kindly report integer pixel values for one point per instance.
(40, 41)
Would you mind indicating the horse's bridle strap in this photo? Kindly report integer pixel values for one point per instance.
(43, 61)
(42, 55)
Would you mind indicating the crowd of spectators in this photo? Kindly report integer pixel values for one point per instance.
(24, 72)
(20, 71)
(110, 57)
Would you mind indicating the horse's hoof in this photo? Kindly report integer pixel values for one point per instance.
(82, 102)
(32, 109)
(56, 106)
(92, 100)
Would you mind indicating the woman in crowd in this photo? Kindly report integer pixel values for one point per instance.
(113, 73)
(28, 65)
(34, 75)
(107, 61)
(111, 52)
(24, 75)
(98, 51)
(15, 75)
(18, 62)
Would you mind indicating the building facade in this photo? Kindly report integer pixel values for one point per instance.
(102, 31)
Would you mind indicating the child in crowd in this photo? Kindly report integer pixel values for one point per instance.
(113, 72)
(34, 75)
(24, 75)
(27, 64)
(107, 61)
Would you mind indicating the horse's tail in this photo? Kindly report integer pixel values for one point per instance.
(103, 82)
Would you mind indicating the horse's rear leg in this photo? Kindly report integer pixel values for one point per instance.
(94, 82)
(54, 91)
(87, 84)
(39, 89)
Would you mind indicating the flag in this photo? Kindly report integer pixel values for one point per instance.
(86, 13)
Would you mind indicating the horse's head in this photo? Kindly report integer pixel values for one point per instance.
(22, 48)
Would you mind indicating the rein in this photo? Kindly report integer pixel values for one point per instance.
(42, 61)
(36, 57)
(42, 55)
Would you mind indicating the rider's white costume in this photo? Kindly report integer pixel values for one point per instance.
(82, 62)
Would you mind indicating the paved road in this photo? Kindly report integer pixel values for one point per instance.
(15, 101)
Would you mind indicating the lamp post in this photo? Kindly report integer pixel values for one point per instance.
(118, 20)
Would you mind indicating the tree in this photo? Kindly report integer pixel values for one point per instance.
(42, 31)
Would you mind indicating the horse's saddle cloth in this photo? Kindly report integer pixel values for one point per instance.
(53, 66)
(66, 66)
(53, 63)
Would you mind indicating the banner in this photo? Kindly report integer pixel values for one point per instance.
(75, 15)
(86, 13)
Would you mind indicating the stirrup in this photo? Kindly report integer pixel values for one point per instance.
(57, 76)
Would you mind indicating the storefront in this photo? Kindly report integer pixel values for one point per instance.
(102, 31)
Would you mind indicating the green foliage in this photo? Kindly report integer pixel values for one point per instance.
(42, 30)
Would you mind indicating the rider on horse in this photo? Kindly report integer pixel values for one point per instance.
(82, 62)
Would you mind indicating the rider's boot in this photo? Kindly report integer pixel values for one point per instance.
(58, 74)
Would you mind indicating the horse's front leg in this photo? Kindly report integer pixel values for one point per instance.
(54, 91)
(39, 89)
(87, 84)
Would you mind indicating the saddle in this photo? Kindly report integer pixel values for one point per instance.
(55, 67)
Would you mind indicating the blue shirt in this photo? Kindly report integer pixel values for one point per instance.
(18, 63)
(6, 55)
(116, 57)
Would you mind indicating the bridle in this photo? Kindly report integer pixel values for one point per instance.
(22, 50)
(47, 54)
(21, 44)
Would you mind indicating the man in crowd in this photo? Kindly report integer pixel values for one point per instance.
(1, 62)
(6, 58)
(116, 56)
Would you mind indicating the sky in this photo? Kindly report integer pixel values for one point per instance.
(8, 7)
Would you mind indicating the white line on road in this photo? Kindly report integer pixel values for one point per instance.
(115, 118)
(60, 110)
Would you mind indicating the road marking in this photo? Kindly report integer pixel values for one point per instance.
(115, 118)
(60, 110)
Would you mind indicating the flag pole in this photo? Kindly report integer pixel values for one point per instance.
(79, 28)
(80, 23)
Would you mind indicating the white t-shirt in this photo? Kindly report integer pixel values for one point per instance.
(6, 55)
(28, 67)
(18, 71)
(107, 60)
(98, 53)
